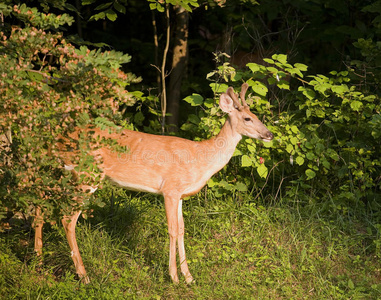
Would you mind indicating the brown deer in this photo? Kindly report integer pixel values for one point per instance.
(169, 166)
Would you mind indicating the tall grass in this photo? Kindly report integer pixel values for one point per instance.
(237, 249)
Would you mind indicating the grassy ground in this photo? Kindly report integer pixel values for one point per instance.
(236, 250)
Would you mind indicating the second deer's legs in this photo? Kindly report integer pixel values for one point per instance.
(69, 223)
(38, 223)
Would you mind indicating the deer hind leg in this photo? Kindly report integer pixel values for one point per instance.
(69, 223)
(38, 223)
(180, 241)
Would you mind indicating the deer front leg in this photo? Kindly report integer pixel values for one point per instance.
(69, 223)
(180, 241)
(171, 210)
(38, 223)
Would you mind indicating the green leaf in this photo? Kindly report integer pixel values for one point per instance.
(246, 161)
(209, 103)
(254, 67)
(98, 16)
(299, 160)
(241, 187)
(188, 127)
(296, 71)
(194, 99)
(252, 148)
(237, 152)
(272, 70)
(340, 89)
(262, 170)
(111, 15)
(289, 148)
(272, 80)
(301, 67)
(308, 145)
(309, 93)
(282, 58)
(310, 174)
(283, 84)
(320, 113)
(87, 2)
(260, 88)
(212, 182)
(356, 105)
(210, 74)
(219, 87)
(194, 119)
(325, 163)
(103, 6)
(333, 154)
(139, 118)
(269, 60)
(120, 8)
(294, 129)
(310, 156)
(225, 185)
(294, 140)
(35, 76)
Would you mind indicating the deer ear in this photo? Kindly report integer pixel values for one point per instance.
(226, 103)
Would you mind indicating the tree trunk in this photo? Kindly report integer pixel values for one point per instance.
(179, 60)
(78, 18)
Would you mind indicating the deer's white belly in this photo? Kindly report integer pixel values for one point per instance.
(135, 187)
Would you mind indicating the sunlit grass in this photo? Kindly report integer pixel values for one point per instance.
(236, 250)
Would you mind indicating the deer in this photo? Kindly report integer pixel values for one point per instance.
(169, 166)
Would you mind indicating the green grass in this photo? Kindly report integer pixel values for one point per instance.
(236, 250)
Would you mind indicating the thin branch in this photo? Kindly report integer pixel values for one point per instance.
(156, 51)
(158, 69)
(164, 91)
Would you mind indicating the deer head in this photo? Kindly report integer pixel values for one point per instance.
(243, 121)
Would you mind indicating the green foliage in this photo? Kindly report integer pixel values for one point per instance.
(159, 5)
(32, 17)
(340, 144)
(326, 141)
(107, 10)
(48, 88)
(110, 10)
(367, 67)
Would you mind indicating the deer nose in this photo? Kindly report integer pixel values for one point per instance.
(268, 136)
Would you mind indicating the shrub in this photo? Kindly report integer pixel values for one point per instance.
(326, 146)
(49, 87)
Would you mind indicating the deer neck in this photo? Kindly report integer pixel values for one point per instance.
(224, 144)
(229, 134)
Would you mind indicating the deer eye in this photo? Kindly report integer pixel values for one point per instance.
(247, 119)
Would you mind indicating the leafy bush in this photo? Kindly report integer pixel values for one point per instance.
(326, 146)
(49, 87)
